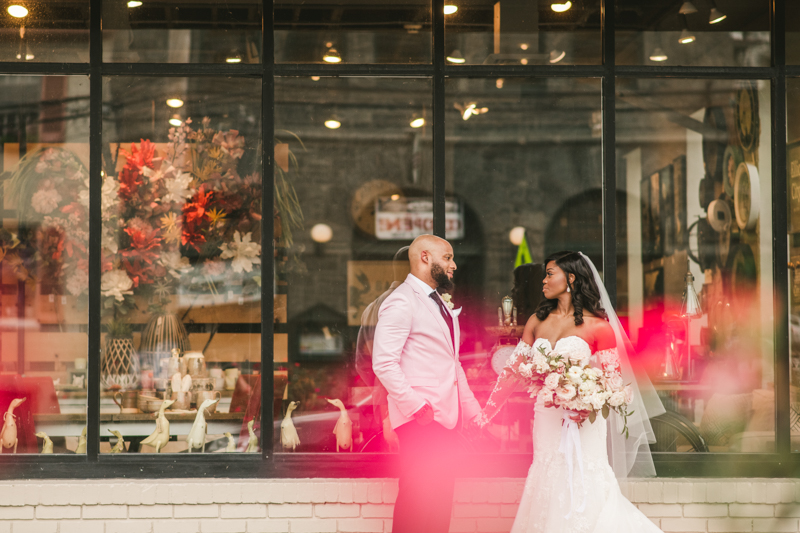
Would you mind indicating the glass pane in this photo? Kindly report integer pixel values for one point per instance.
(793, 194)
(185, 31)
(44, 234)
(357, 151)
(792, 33)
(529, 163)
(181, 282)
(335, 31)
(705, 33)
(695, 214)
(45, 31)
(522, 32)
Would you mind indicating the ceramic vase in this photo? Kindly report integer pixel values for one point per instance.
(162, 333)
(119, 366)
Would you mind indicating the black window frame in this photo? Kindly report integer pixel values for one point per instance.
(781, 463)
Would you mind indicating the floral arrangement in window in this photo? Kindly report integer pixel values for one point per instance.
(181, 217)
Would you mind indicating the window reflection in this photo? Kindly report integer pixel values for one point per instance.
(695, 156)
(45, 31)
(195, 31)
(363, 181)
(43, 263)
(181, 276)
(716, 33)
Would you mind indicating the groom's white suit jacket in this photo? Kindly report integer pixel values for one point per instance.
(415, 360)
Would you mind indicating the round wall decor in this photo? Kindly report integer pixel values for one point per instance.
(500, 357)
(731, 160)
(748, 125)
(719, 215)
(746, 196)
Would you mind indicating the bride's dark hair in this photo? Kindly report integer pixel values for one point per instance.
(585, 295)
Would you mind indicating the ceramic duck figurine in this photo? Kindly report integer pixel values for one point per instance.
(231, 443)
(82, 442)
(160, 437)
(8, 435)
(343, 428)
(289, 437)
(197, 435)
(119, 447)
(252, 442)
(47, 445)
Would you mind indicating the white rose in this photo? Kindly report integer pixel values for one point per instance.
(596, 401)
(579, 359)
(575, 375)
(551, 381)
(526, 370)
(116, 283)
(617, 399)
(587, 388)
(592, 373)
(540, 362)
(45, 201)
(628, 394)
(615, 382)
(566, 393)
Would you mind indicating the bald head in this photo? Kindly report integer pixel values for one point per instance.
(431, 260)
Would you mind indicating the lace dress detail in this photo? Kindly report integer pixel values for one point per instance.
(546, 498)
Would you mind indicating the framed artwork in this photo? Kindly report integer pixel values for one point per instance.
(667, 209)
(793, 173)
(647, 228)
(366, 281)
(656, 214)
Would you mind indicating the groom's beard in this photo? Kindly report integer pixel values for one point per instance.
(443, 283)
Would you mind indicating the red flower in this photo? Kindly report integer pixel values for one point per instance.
(139, 158)
(195, 215)
(138, 260)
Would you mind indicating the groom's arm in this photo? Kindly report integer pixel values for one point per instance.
(391, 332)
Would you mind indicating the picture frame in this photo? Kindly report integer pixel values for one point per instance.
(679, 199)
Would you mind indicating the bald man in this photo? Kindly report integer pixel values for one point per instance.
(415, 357)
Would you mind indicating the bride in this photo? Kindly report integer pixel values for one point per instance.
(572, 484)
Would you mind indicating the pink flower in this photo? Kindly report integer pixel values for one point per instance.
(565, 393)
(230, 143)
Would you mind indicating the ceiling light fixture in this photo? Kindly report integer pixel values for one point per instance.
(418, 122)
(332, 56)
(687, 9)
(516, 235)
(658, 55)
(557, 55)
(523, 46)
(716, 15)
(456, 57)
(321, 233)
(499, 83)
(314, 78)
(686, 37)
(450, 9)
(233, 59)
(560, 8)
(176, 121)
(174, 103)
(134, 3)
(17, 11)
(333, 123)
(395, 197)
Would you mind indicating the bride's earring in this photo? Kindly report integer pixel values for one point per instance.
(568, 289)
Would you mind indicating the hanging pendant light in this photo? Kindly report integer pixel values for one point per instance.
(716, 15)
(687, 9)
(332, 56)
(658, 55)
(686, 37)
(456, 57)
(556, 56)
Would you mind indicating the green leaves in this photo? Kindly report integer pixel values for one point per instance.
(606, 411)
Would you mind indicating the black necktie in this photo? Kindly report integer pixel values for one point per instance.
(445, 314)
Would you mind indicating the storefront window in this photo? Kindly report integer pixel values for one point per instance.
(695, 256)
(181, 265)
(356, 32)
(793, 198)
(196, 31)
(44, 31)
(524, 168)
(357, 154)
(513, 32)
(43, 263)
(700, 33)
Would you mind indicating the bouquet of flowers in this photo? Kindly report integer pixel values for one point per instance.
(571, 383)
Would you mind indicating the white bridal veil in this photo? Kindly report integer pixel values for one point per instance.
(629, 456)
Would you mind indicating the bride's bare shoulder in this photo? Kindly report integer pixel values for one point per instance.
(602, 332)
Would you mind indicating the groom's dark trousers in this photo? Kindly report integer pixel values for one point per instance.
(428, 460)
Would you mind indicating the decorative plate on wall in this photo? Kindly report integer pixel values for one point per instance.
(730, 163)
(747, 196)
(715, 139)
(500, 357)
(741, 274)
(748, 125)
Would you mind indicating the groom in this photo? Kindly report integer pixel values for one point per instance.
(415, 356)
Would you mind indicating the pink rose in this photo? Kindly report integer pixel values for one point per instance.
(565, 393)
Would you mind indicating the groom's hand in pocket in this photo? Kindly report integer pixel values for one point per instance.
(425, 415)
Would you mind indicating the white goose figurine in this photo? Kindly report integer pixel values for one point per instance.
(197, 435)
(82, 442)
(119, 447)
(289, 437)
(252, 442)
(47, 445)
(8, 435)
(231, 443)
(160, 437)
(343, 428)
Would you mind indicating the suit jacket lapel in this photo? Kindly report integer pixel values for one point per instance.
(433, 308)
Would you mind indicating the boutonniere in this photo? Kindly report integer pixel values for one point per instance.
(447, 298)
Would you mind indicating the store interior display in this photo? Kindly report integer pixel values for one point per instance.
(343, 428)
(197, 435)
(8, 435)
(160, 437)
(252, 439)
(47, 444)
(290, 440)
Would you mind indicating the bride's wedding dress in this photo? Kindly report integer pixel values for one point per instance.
(596, 504)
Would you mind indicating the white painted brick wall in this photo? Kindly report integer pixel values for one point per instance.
(364, 505)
